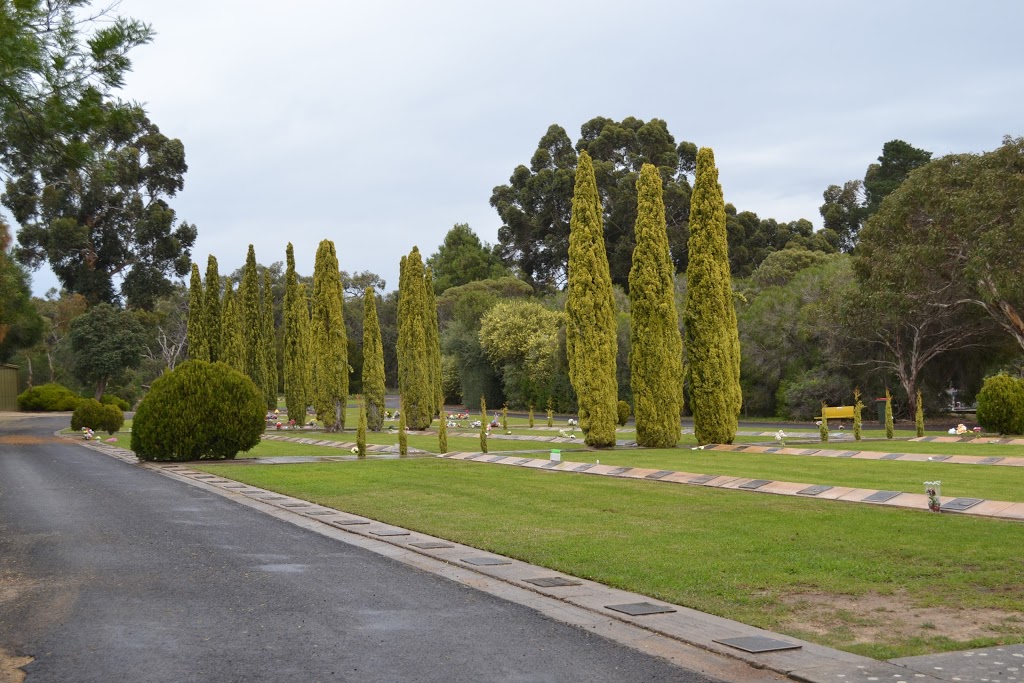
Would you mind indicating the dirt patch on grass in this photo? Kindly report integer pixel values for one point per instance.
(873, 618)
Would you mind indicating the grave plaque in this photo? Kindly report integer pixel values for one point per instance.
(703, 479)
(881, 496)
(619, 470)
(431, 545)
(473, 457)
(960, 504)
(755, 484)
(390, 532)
(522, 461)
(294, 505)
(549, 464)
(321, 512)
(891, 456)
(813, 490)
(771, 450)
(809, 451)
(234, 486)
(486, 561)
(584, 467)
(270, 497)
(755, 644)
(553, 581)
(348, 522)
(846, 454)
(659, 474)
(497, 458)
(989, 461)
(639, 609)
(938, 458)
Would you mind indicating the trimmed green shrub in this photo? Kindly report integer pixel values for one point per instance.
(623, 412)
(97, 416)
(111, 400)
(199, 410)
(48, 397)
(1001, 405)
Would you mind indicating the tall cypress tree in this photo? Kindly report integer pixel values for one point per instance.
(373, 363)
(433, 340)
(232, 342)
(329, 344)
(296, 344)
(712, 338)
(198, 347)
(269, 336)
(211, 300)
(419, 396)
(250, 313)
(590, 337)
(656, 347)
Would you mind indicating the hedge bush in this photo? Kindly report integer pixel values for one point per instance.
(111, 400)
(48, 397)
(623, 410)
(97, 416)
(1001, 405)
(199, 410)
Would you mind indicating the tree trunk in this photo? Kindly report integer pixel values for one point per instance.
(28, 380)
(49, 359)
(101, 386)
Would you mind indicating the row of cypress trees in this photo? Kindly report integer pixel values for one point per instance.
(238, 329)
(656, 356)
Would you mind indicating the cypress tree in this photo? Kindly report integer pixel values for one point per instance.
(442, 436)
(361, 429)
(823, 427)
(296, 344)
(712, 337)
(551, 414)
(504, 417)
(250, 312)
(483, 425)
(232, 342)
(269, 337)
(888, 414)
(857, 408)
(373, 362)
(656, 347)
(919, 416)
(432, 338)
(531, 416)
(211, 300)
(329, 347)
(590, 313)
(415, 365)
(403, 438)
(198, 348)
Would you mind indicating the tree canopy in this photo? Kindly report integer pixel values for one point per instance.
(462, 259)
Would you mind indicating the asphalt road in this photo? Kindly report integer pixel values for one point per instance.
(110, 572)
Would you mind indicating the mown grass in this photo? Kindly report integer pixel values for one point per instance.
(739, 555)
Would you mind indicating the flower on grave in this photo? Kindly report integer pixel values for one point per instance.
(780, 436)
(508, 431)
(961, 428)
(112, 439)
(933, 491)
(571, 422)
(952, 430)
(475, 424)
(277, 426)
(976, 430)
(355, 449)
(697, 448)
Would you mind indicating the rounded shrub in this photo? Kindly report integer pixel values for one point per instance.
(48, 397)
(198, 410)
(97, 416)
(622, 408)
(111, 400)
(1001, 405)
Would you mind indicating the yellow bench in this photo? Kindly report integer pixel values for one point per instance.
(836, 413)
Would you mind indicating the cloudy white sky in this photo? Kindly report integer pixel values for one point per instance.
(381, 124)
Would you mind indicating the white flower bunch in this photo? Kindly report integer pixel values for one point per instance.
(475, 424)
(571, 422)
(780, 436)
(355, 449)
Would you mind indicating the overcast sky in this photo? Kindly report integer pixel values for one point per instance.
(381, 124)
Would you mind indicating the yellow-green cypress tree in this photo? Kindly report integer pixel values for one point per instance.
(361, 429)
(198, 347)
(250, 312)
(656, 347)
(712, 338)
(269, 337)
(329, 346)
(590, 313)
(373, 362)
(888, 414)
(823, 427)
(483, 425)
(919, 415)
(211, 301)
(442, 436)
(531, 416)
(419, 394)
(296, 344)
(858, 407)
(232, 342)
(433, 340)
(403, 438)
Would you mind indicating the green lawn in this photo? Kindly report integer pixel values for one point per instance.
(754, 558)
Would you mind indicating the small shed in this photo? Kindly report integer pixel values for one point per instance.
(8, 387)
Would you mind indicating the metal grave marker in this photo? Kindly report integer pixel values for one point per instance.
(620, 470)
(813, 490)
(639, 609)
(486, 561)
(960, 504)
(583, 468)
(703, 479)
(755, 644)
(881, 496)
(659, 474)
(390, 532)
(431, 545)
(553, 581)
(989, 461)
(891, 456)
(755, 484)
